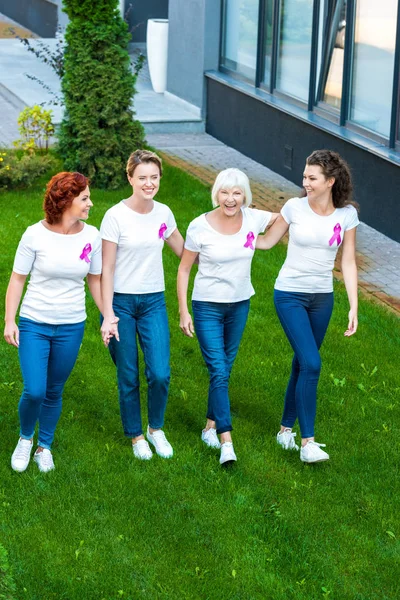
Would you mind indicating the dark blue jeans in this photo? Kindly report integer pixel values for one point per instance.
(47, 355)
(219, 328)
(144, 316)
(305, 319)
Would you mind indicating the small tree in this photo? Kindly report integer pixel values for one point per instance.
(98, 131)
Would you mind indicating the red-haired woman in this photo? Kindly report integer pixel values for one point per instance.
(58, 253)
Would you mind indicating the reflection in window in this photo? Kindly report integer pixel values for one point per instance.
(293, 74)
(375, 34)
(239, 37)
(331, 66)
(268, 40)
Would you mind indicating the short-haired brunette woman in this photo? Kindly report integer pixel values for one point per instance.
(134, 232)
(318, 225)
(224, 242)
(58, 253)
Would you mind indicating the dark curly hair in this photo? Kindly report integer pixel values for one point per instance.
(333, 165)
(61, 190)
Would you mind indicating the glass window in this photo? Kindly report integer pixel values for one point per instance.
(372, 83)
(293, 73)
(239, 36)
(332, 56)
(268, 40)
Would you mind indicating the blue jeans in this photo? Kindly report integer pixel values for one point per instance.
(144, 315)
(47, 355)
(305, 319)
(219, 328)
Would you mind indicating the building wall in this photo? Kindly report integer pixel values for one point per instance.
(40, 16)
(261, 132)
(193, 47)
(140, 11)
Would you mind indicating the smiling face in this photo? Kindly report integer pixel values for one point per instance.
(315, 183)
(145, 181)
(81, 205)
(230, 200)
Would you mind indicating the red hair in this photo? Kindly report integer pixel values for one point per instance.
(61, 191)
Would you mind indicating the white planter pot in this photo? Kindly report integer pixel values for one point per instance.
(157, 53)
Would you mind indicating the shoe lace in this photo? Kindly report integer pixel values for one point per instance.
(316, 444)
(47, 458)
(291, 435)
(159, 437)
(22, 451)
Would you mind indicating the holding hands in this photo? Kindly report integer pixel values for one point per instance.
(109, 329)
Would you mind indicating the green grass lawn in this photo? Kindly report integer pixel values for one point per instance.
(106, 526)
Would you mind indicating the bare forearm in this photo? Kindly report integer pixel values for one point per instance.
(13, 297)
(107, 292)
(349, 270)
(273, 235)
(94, 285)
(182, 288)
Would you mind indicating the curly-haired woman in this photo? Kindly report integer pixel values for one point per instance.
(318, 225)
(58, 253)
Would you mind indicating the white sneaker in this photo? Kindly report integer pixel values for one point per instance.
(21, 456)
(311, 453)
(286, 439)
(227, 454)
(44, 460)
(141, 449)
(160, 443)
(210, 438)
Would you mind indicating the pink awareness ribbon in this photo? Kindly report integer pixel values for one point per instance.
(249, 241)
(336, 235)
(85, 253)
(162, 230)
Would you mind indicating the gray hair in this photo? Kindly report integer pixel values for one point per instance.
(228, 179)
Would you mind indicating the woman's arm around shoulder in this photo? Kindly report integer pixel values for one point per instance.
(274, 234)
(349, 270)
(187, 261)
(13, 298)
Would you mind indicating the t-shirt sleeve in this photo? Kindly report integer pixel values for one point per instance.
(25, 255)
(110, 229)
(287, 210)
(262, 218)
(95, 263)
(352, 218)
(171, 224)
(192, 241)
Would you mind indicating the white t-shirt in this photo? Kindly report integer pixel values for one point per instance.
(58, 265)
(225, 260)
(313, 244)
(140, 241)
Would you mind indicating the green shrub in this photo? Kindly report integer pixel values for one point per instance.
(36, 128)
(98, 131)
(17, 171)
(7, 585)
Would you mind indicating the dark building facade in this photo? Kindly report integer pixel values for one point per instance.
(284, 77)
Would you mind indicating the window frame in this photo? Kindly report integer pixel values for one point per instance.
(339, 116)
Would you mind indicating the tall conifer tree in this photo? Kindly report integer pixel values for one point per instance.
(98, 131)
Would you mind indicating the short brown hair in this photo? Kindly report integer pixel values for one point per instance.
(60, 192)
(142, 156)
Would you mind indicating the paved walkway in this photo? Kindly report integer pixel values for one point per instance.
(203, 156)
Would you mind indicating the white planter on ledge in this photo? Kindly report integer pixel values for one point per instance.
(157, 53)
